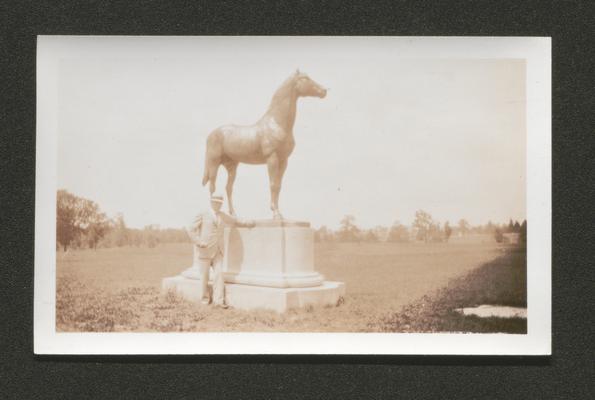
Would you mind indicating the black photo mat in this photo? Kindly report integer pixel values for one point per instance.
(568, 373)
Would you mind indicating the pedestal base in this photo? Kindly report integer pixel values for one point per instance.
(268, 280)
(249, 297)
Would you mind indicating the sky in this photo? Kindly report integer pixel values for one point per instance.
(394, 134)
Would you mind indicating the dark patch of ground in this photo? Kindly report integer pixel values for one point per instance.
(502, 281)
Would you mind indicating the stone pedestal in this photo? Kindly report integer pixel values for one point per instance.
(251, 297)
(269, 266)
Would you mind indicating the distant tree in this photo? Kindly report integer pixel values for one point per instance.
(135, 237)
(150, 236)
(349, 232)
(67, 219)
(78, 220)
(381, 232)
(516, 227)
(170, 235)
(99, 225)
(523, 233)
(447, 231)
(423, 222)
(464, 227)
(320, 234)
(510, 227)
(398, 233)
(324, 234)
(122, 234)
(489, 228)
(370, 236)
(435, 233)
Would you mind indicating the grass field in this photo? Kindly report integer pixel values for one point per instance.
(502, 281)
(119, 289)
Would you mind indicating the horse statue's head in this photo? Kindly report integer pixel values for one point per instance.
(306, 87)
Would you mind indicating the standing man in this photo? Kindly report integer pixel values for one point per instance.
(207, 233)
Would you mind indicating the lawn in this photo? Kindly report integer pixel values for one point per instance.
(119, 289)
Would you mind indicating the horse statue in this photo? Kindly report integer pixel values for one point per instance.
(269, 141)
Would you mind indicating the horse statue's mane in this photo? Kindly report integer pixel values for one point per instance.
(284, 90)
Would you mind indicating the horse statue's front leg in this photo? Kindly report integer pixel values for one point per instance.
(273, 165)
(275, 206)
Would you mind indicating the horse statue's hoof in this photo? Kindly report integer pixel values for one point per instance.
(277, 216)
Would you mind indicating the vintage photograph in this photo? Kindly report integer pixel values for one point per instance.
(381, 187)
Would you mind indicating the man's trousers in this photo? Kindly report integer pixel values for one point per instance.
(218, 283)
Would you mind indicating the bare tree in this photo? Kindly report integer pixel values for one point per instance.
(423, 222)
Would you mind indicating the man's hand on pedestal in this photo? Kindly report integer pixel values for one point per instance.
(232, 220)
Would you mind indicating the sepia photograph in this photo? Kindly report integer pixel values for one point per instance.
(293, 195)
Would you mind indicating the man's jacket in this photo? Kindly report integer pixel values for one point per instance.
(208, 229)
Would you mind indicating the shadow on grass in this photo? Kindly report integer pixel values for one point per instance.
(502, 282)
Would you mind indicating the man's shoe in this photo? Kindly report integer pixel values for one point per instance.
(205, 302)
(223, 306)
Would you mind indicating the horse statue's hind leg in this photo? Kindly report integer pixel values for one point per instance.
(213, 168)
(214, 157)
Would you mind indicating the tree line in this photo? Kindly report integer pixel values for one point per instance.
(80, 223)
(424, 228)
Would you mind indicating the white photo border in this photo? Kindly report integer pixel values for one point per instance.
(537, 53)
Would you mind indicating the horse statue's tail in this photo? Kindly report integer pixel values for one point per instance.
(212, 153)
(205, 177)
